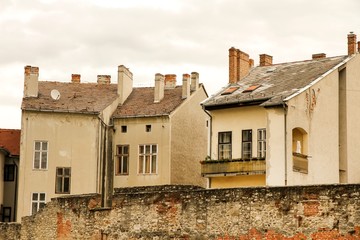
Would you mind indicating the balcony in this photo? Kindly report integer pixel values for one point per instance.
(236, 167)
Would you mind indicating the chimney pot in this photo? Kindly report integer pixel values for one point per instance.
(75, 78)
(351, 43)
(318, 56)
(265, 60)
(170, 81)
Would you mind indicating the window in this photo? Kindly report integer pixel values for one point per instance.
(63, 176)
(224, 148)
(122, 162)
(246, 144)
(147, 159)
(148, 128)
(300, 150)
(9, 172)
(6, 214)
(123, 129)
(261, 143)
(40, 155)
(37, 202)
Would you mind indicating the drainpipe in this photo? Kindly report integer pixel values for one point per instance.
(210, 142)
(285, 127)
(16, 189)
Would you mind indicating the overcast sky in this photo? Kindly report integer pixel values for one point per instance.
(93, 37)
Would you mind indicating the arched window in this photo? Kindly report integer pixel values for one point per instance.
(300, 150)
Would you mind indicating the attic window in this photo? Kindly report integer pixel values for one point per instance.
(251, 88)
(230, 90)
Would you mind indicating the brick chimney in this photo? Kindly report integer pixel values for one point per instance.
(103, 79)
(31, 81)
(159, 87)
(318, 56)
(185, 86)
(239, 65)
(265, 60)
(125, 83)
(170, 81)
(194, 81)
(351, 43)
(75, 78)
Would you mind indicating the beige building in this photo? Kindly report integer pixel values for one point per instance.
(292, 123)
(90, 137)
(9, 163)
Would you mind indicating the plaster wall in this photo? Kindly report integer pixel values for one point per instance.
(2, 163)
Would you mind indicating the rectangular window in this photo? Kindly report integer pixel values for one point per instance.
(63, 177)
(122, 162)
(6, 214)
(148, 128)
(9, 172)
(224, 148)
(147, 159)
(246, 144)
(37, 202)
(40, 155)
(261, 143)
(123, 129)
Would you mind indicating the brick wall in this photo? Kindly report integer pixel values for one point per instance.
(185, 212)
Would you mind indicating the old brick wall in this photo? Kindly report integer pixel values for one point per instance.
(185, 212)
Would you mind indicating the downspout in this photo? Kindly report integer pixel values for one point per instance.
(16, 189)
(285, 135)
(210, 142)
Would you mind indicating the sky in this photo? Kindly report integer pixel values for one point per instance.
(94, 37)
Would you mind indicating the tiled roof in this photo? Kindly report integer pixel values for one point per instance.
(10, 141)
(140, 103)
(270, 85)
(74, 97)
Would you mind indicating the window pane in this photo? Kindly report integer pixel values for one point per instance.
(34, 208)
(42, 196)
(141, 167)
(35, 196)
(141, 149)
(37, 160)
(125, 165)
(154, 149)
(58, 184)
(67, 171)
(153, 164)
(147, 149)
(41, 205)
(66, 185)
(37, 145)
(44, 146)
(147, 164)
(43, 160)
(59, 171)
(126, 149)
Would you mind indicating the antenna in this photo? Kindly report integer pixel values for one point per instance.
(55, 94)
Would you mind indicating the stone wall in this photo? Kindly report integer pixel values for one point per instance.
(186, 212)
(10, 230)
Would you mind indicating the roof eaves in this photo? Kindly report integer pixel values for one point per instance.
(142, 116)
(317, 79)
(60, 111)
(240, 103)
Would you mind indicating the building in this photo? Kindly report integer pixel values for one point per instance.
(292, 123)
(89, 137)
(9, 163)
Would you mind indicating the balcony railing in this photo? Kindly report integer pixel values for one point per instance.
(238, 167)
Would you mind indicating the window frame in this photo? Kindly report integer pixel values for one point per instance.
(221, 151)
(143, 160)
(148, 128)
(62, 178)
(246, 155)
(41, 151)
(39, 203)
(261, 143)
(124, 129)
(9, 172)
(119, 164)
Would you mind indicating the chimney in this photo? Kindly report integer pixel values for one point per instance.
(186, 86)
(75, 78)
(125, 83)
(159, 87)
(318, 56)
(351, 43)
(239, 65)
(233, 65)
(251, 63)
(31, 81)
(103, 79)
(170, 81)
(265, 60)
(359, 47)
(194, 81)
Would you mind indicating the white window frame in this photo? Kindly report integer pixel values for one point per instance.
(142, 163)
(40, 152)
(246, 145)
(121, 158)
(225, 147)
(39, 203)
(261, 143)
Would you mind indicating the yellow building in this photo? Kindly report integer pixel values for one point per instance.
(89, 137)
(281, 124)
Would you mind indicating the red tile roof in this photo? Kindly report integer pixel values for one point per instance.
(10, 141)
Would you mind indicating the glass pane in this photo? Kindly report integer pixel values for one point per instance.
(246, 135)
(141, 149)
(66, 185)
(67, 171)
(37, 145)
(35, 196)
(119, 150)
(44, 146)
(58, 184)
(43, 160)
(147, 164)
(125, 165)
(153, 164)
(37, 160)
(126, 150)
(59, 171)
(147, 151)
(34, 208)
(42, 196)
(141, 167)
(41, 205)
(154, 149)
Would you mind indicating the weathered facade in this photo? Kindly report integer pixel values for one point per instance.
(186, 212)
(285, 124)
(89, 137)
